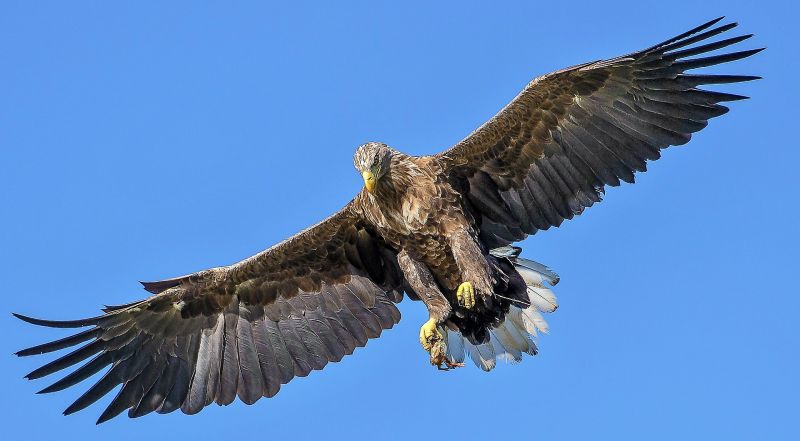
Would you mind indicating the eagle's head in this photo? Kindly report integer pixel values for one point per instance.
(372, 161)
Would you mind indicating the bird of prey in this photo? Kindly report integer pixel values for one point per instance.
(438, 228)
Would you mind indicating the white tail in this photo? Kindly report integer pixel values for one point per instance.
(517, 333)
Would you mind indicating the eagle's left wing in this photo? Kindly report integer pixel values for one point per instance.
(243, 329)
(551, 151)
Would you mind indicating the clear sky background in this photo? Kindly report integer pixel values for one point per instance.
(144, 140)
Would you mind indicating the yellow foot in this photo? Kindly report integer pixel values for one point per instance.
(429, 334)
(466, 295)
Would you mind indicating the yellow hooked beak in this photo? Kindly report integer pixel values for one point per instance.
(369, 181)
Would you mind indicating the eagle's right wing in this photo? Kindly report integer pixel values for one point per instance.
(243, 329)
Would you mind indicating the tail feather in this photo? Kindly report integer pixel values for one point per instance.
(543, 298)
(533, 269)
(506, 343)
(515, 314)
(524, 341)
(455, 346)
(517, 333)
(483, 355)
(535, 321)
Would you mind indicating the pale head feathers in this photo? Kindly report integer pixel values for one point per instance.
(373, 157)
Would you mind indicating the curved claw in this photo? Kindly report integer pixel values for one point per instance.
(429, 334)
(466, 295)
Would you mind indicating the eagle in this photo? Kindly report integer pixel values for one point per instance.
(439, 229)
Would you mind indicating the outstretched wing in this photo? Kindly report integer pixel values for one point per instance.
(243, 329)
(549, 153)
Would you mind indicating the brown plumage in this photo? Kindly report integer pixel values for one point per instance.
(422, 225)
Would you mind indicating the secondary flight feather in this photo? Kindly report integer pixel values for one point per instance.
(439, 229)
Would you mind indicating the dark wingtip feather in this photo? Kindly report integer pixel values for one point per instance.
(689, 38)
(697, 63)
(709, 47)
(704, 26)
(25, 318)
(690, 32)
(68, 360)
(74, 407)
(78, 375)
(719, 79)
(67, 342)
(106, 415)
(58, 323)
(733, 97)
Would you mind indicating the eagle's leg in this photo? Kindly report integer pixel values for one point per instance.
(475, 272)
(420, 279)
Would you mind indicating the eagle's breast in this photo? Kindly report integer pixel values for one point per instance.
(411, 203)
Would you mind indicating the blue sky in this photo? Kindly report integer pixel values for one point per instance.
(143, 141)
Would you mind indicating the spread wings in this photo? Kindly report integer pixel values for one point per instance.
(239, 330)
(549, 153)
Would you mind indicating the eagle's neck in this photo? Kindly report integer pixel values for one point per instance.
(400, 176)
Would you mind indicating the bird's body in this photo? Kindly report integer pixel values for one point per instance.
(420, 217)
(436, 228)
(417, 211)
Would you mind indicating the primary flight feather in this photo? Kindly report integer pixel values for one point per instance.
(438, 228)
